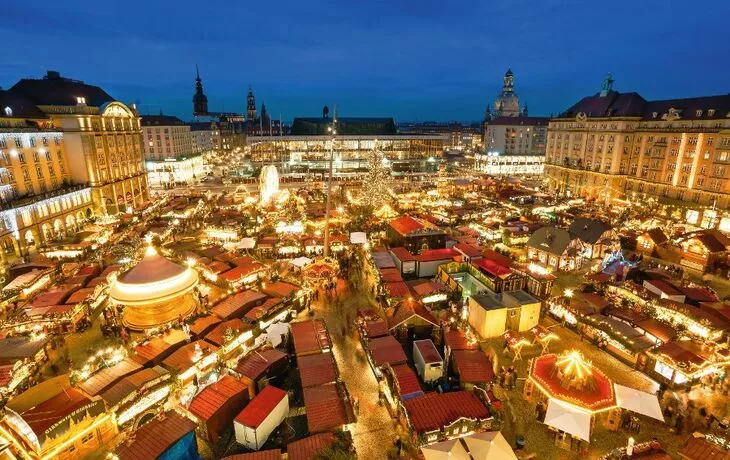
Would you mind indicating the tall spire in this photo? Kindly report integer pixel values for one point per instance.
(251, 105)
(200, 100)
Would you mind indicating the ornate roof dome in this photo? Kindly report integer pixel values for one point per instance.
(154, 279)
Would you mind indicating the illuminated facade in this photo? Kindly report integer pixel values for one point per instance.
(510, 165)
(170, 152)
(616, 144)
(405, 154)
(38, 200)
(102, 139)
(175, 171)
(165, 137)
(59, 423)
(516, 136)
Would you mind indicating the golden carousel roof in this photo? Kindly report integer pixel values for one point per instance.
(154, 279)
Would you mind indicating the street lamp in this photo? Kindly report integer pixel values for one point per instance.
(568, 293)
(333, 131)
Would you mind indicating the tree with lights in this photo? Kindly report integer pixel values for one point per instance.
(376, 185)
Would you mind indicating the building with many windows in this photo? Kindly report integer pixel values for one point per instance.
(102, 139)
(405, 154)
(619, 145)
(170, 155)
(516, 135)
(165, 137)
(202, 136)
(508, 130)
(38, 201)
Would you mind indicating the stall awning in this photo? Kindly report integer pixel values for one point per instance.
(490, 445)
(569, 419)
(358, 238)
(638, 401)
(247, 243)
(446, 450)
(301, 262)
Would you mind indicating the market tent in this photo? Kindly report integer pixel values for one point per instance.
(301, 262)
(489, 446)
(446, 450)
(638, 401)
(276, 331)
(247, 243)
(573, 421)
(358, 238)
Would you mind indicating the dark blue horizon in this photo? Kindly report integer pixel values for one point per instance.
(412, 60)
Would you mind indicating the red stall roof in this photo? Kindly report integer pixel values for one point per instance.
(377, 328)
(261, 406)
(310, 447)
(310, 336)
(407, 380)
(456, 340)
(271, 454)
(237, 305)
(386, 350)
(213, 397)
(325, 409)
(154, 438)
(433, 411)
(472, 366)
(256, 363)
(317, 369)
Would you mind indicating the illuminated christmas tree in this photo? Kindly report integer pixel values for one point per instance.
(377, 183)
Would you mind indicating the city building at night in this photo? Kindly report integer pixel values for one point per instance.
(169, 146)
(39, 200)
(102, 139)
(619, 145)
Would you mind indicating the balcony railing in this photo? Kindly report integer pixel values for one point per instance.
(18, 202)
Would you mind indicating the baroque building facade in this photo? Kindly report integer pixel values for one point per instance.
(508, 130)
(619, 145)
(70, 151)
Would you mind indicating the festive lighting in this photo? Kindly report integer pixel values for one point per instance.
(573, 363)
(268, 184)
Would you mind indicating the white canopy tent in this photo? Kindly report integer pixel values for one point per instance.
(445, 450)
(358, 238)
(275, 331)
(638, 401)
(566, 418)
(247, 243)
(480, 446)
(489, 446)
(301, 262)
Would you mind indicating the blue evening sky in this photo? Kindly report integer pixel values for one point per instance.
(410, 59)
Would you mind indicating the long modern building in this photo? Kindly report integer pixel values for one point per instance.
(619, 145)
(309, 148)
(405, 154)
(68, 150)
